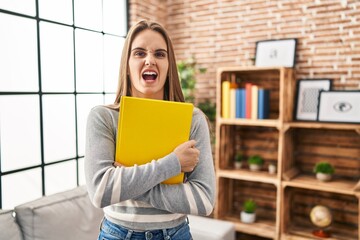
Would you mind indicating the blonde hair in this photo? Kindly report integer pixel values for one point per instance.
(172, 88)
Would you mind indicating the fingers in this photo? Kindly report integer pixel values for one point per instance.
(191, 143)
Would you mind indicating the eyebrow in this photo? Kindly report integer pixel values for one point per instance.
(143, 49)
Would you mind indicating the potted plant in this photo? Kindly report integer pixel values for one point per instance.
(248, 214)
(238, 160)
(272, 168)
(324, 171)
(255, 163)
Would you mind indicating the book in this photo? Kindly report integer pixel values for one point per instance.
(254, 101)
(150, 129)
(225, 99)
(248, 100)
(264, 103)
(240, 103)
(232, 102)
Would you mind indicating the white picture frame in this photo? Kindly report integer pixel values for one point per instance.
(339, 106)
(307, 98)
(276, 53)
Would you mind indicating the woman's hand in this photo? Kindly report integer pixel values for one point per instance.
(188, 155)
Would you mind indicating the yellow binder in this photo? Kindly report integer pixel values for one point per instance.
(150, 129)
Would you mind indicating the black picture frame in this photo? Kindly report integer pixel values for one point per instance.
(276, 53)
(339, 106)
(307, 97)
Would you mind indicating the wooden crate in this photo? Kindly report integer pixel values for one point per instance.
(232, 195)
(299, 202)
(249, 140)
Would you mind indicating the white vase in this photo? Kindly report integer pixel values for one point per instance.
(237, 165)
(247, 217)
(324, 177)
(272, 169)
(254, 167)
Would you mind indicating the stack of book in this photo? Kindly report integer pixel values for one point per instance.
(250, 102)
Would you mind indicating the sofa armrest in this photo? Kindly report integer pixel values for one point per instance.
(9, 229)
(66, 215)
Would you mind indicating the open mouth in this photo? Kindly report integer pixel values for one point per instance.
(149, 76)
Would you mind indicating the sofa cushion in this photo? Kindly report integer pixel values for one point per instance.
(66, 215)
(205, 228)
(9, 229)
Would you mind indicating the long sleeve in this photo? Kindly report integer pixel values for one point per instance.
(109, 185)
(197, 195)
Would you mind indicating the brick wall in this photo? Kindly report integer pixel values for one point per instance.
(224, 33)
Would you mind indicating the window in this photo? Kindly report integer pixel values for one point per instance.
(58, 59)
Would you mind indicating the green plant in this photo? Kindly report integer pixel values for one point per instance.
(238, 157)
(255, 159)
(324, 167)
(187, 70)
(209, 109)
(249, 206)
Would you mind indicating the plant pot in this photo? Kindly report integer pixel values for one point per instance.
(247, 217)
(237, 165)
(324, 177)
(272, 169)
(254, 167)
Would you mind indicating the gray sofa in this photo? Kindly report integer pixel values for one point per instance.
(66, 215)
(70, 215)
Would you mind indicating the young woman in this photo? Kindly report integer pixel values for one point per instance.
(135, 202)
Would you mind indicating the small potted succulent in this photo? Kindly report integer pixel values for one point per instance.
(248, 214)
(324, 171)
(255, 163)
(238, 158)
(272, 167)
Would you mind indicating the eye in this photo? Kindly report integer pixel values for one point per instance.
(140, 53)
(160, 54)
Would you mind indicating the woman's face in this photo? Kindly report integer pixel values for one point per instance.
(148, 65)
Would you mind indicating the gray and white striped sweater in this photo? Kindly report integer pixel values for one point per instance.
(134, 197)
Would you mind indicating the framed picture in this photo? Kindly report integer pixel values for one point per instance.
(339, 106)
(276, 53)
(307, 98)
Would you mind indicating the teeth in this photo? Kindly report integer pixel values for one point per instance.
(149, 73)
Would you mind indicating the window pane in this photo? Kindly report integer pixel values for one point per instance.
(18, 58)
(59, 127)
(85, 102)
(88, 14)
(60, 177)
(19, 132)
(89, 61)
(109, 98)
(21, 6)
(57, 58)
(115, 19)
(112, 55)
(21, 187)
(56, 10)
(81, 172)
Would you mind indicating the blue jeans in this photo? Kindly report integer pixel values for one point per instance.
(112, 231)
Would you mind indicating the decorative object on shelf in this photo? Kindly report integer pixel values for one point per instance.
(307, 97)
(321, 217)
(276, 53)
(324, 171)
(248, 214)
(272, 168)
(339, 106)
(255, 163)
(238, 158)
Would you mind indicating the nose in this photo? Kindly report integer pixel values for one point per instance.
(150, 60)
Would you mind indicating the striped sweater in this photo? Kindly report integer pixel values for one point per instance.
(134, 197)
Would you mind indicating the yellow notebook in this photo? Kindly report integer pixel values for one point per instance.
(151, 129)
